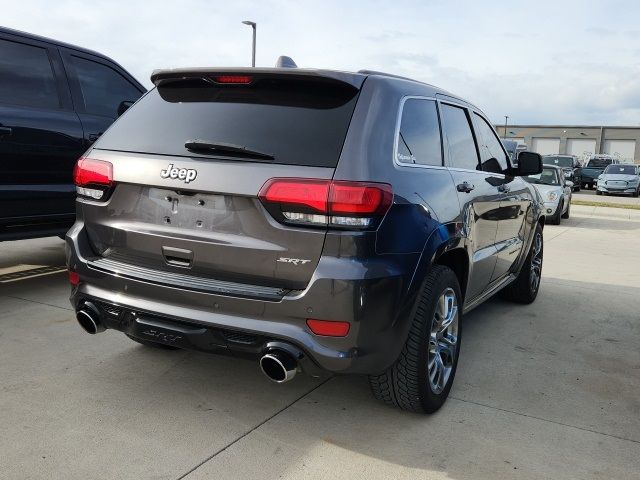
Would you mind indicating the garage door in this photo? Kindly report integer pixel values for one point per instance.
(623, 150)
(546, 146)
(582, 148)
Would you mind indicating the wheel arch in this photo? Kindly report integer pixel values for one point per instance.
(457, 260)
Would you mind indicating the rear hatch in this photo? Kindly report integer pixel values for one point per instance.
(189, 160)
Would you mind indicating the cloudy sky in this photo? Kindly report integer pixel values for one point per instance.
(537, 61)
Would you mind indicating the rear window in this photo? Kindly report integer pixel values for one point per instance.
(297, 121)
(599, 162)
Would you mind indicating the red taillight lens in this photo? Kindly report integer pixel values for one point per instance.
(74, 278)
(328, 328)
(234, 79)
(301, 192)
(92, 172)
(359, 198)
(322, 202)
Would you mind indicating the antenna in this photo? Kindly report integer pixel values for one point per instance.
(285, 62)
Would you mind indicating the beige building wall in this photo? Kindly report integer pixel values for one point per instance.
(578, 140)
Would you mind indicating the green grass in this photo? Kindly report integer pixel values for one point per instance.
(588, 203)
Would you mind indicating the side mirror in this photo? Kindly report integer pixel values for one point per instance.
(124, 106)
(568, 183)
(529, 163)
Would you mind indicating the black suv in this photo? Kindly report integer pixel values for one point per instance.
(315, 220)
(55, 101)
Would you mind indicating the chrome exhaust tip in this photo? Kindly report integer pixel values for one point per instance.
(89, 319)
(279, 366)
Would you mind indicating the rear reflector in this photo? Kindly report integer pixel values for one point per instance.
(74, 278)
(92, 172)
(236, 79)
(328, 328)
(326, 202)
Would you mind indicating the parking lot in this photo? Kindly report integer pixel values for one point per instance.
(549, 390)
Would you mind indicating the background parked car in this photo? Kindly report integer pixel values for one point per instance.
(55, 101)
(570, 166)
(620, 179)
(555, 190)
(514, 148)
(594, 168)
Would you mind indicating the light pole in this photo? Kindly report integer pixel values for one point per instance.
(253, 50)
(506, 120)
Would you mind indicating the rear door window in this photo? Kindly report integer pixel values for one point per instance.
(26, 76)
(297, 121)
(419, 136)
(459, 136)
(102, 87)
(492, 156)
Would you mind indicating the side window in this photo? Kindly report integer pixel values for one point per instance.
(492, 155)
(457, 131)
(102, 87)
(26, 76)
(419, 135)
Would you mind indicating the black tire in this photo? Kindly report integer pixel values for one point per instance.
(636, 194)
(578, 188)
(523, 289)
(598, 192)
(568, 212)
(555, 219)
(406, 384)
(148, 343)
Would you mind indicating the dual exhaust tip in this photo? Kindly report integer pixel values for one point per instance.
(277, 364)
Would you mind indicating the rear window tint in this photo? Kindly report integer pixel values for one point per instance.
(297, 121)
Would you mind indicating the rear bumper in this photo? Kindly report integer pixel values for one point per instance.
(368, 294)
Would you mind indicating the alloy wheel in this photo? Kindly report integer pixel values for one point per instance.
(443, 341)
(536, 262)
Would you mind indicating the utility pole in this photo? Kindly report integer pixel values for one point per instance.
(506, 121)
(253, 50)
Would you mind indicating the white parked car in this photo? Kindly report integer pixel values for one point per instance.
(555, 191)
(620, 179)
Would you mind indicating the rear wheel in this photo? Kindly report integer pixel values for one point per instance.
(421, 377)
(147, 343)
(525, 287)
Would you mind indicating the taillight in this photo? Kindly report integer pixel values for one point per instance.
(93, 178)
(326, 202)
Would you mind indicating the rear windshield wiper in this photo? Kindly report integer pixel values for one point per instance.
(227, 149)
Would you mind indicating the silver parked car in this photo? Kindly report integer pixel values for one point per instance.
(621, 179)
(555, 191)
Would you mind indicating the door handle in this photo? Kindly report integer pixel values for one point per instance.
(465, 187)
(5, 131)
(504, 188)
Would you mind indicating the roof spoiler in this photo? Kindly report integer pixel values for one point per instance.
(353, 79)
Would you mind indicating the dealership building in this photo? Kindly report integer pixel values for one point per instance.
(620, 142)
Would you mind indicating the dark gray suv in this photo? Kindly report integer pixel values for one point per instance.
(313, 220)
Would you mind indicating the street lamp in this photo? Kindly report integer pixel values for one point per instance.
(253, 50)
(506, 120)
